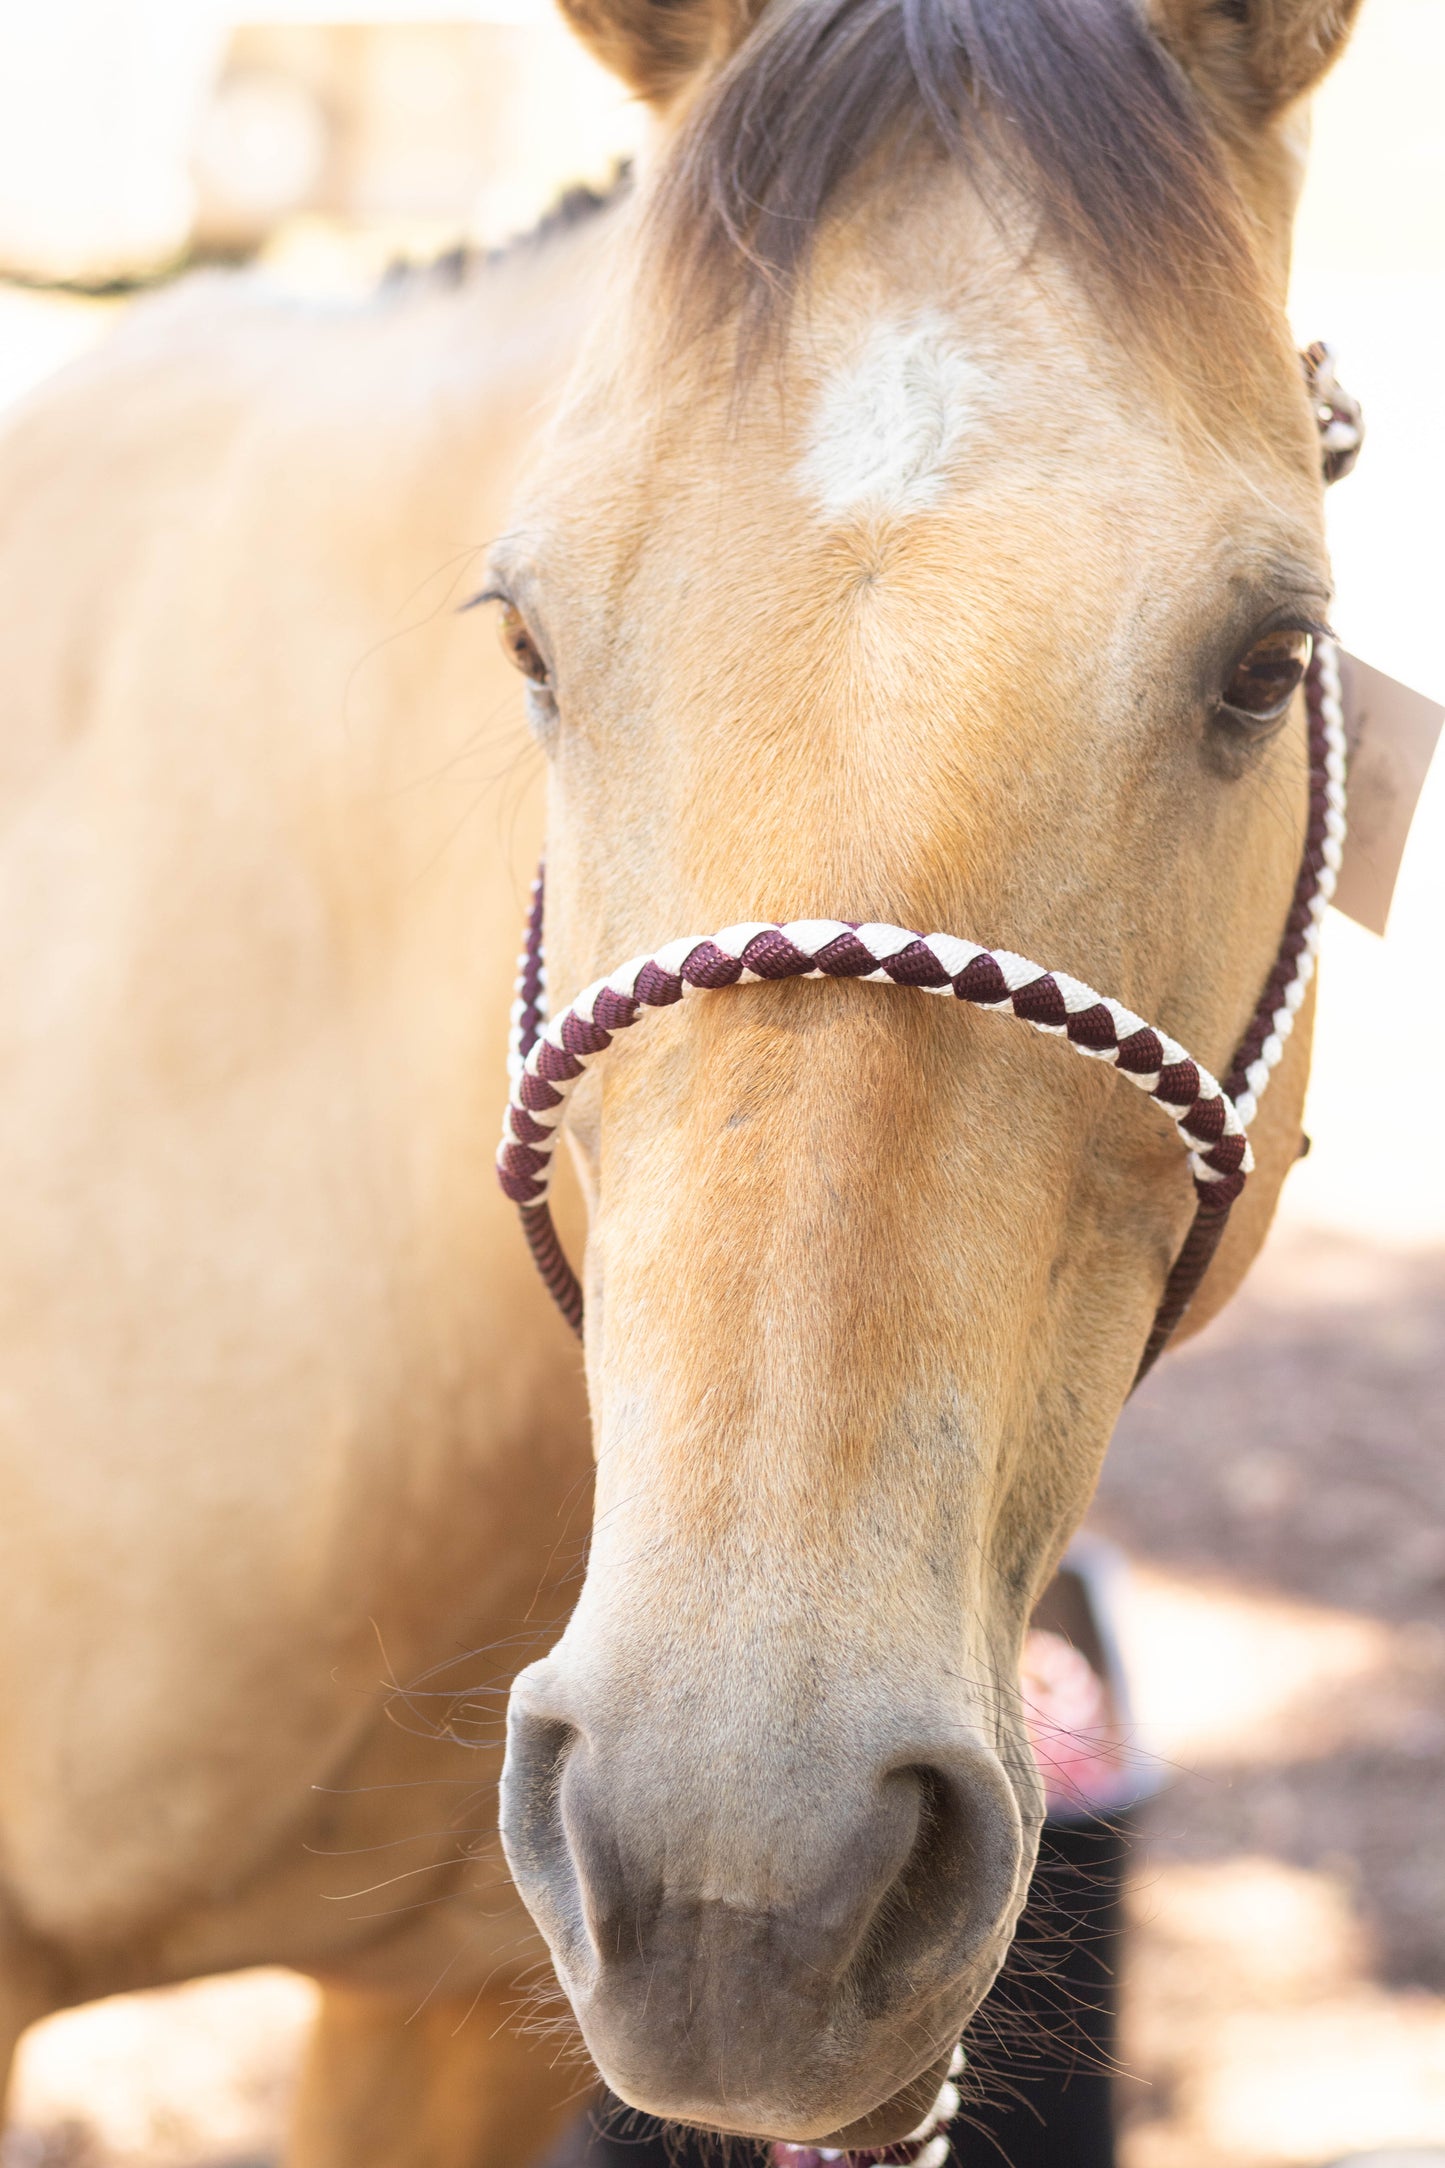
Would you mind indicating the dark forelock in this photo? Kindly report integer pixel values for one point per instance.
(1073, 103)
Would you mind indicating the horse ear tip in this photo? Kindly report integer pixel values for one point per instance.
(653, 49)
(1267, 57)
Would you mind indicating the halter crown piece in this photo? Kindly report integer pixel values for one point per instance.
(549, 1056)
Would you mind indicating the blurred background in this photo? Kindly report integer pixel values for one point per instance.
(1279, 1486)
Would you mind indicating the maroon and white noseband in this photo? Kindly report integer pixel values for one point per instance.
(549, 1057)
(829, 948)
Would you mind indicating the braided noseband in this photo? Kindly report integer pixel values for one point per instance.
(548, 1058)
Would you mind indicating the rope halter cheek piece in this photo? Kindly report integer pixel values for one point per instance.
(548, 1057)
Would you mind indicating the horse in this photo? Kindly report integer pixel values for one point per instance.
(903, 505)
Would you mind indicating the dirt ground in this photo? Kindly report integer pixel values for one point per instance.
(1281, 1490)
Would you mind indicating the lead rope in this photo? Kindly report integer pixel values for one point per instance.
(547, 1058)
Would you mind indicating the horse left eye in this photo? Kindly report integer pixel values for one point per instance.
(522, 649)
(1268, 675)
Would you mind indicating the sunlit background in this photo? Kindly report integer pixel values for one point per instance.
(1280, 1487)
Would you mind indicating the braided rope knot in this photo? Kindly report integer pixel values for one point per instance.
(1338, 415)
(935, 963)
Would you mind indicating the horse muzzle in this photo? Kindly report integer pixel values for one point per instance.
(768, 1939)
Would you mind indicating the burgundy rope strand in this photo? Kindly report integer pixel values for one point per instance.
(560, 1281)
(529, 1015)
(1195, 1257)
(530, 1011)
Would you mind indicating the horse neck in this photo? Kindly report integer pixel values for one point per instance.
(437, 785)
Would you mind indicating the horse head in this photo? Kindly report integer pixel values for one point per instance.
(932, 534)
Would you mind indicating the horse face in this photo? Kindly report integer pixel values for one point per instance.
(926, 617)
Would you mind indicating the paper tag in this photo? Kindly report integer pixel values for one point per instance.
(1390, 733)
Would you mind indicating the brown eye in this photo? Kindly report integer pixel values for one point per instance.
(522, 649)
(1267, 675)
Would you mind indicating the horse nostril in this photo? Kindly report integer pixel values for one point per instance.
(534, 1837)
(958, 1879)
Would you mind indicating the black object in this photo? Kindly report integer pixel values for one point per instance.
(1042, 2048)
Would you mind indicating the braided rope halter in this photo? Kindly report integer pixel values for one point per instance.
(548, 1057)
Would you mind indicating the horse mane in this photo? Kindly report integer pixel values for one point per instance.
(577, 205)
(1072, 105)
